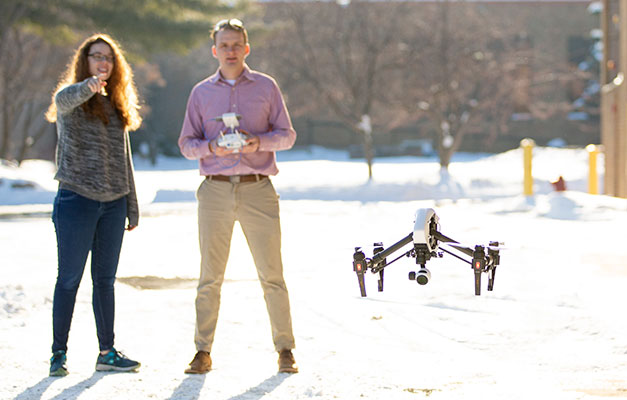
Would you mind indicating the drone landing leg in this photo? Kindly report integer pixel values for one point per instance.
(362, 284)
(360, 267)
(478, 265)
(477, 283)
(491, 274)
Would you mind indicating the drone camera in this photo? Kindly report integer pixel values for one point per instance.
(423, 276)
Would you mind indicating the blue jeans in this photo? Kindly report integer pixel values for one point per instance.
(85, 225)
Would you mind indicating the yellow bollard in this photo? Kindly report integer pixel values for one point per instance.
(593, 178)
(527, 146)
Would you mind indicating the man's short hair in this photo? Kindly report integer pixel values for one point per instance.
(232, 24)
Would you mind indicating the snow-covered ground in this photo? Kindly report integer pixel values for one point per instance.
(553, 328)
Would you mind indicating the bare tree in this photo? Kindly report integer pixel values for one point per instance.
(461, 67)
(458, 75)
(28, 71)
(340, 55)
(393, 63)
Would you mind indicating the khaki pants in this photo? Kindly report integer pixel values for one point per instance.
(256, 206)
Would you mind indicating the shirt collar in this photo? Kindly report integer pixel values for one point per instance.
(246, 74)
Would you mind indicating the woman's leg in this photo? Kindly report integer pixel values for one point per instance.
(74, 218)
(105, 255)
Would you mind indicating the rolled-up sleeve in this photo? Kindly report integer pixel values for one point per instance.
(192, 141)
(282, 135)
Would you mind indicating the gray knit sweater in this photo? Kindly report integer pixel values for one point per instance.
(93, 159)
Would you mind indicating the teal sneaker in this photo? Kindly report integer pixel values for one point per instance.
(115, 361)
(57, 364)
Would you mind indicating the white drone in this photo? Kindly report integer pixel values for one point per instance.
(427, 239)
(233, 139)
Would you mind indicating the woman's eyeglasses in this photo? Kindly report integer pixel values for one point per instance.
(98, 57)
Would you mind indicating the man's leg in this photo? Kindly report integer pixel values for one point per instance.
(216, 217)
(258, 214)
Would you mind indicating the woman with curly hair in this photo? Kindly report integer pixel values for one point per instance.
(94, 107)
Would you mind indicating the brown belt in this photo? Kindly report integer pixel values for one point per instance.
(236, 178)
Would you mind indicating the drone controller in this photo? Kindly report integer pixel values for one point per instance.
(427, 243)
(233, 139)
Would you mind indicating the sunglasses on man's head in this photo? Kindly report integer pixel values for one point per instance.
(232, 23)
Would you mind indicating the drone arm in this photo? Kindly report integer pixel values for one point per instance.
(462, 249)
(382, 255)
(453, 243)
(454, 255)
(442, 238)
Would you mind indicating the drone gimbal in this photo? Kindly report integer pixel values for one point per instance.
(427, 239)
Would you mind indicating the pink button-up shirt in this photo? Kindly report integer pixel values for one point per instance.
(257, 98)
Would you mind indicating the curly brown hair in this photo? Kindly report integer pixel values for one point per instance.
(120, 86)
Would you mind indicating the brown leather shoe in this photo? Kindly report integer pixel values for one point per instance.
(286, 362)
(201, 364)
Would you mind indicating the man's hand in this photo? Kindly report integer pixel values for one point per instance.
(219, 150)
(252, 144)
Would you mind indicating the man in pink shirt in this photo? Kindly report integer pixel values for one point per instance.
(237, 186)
